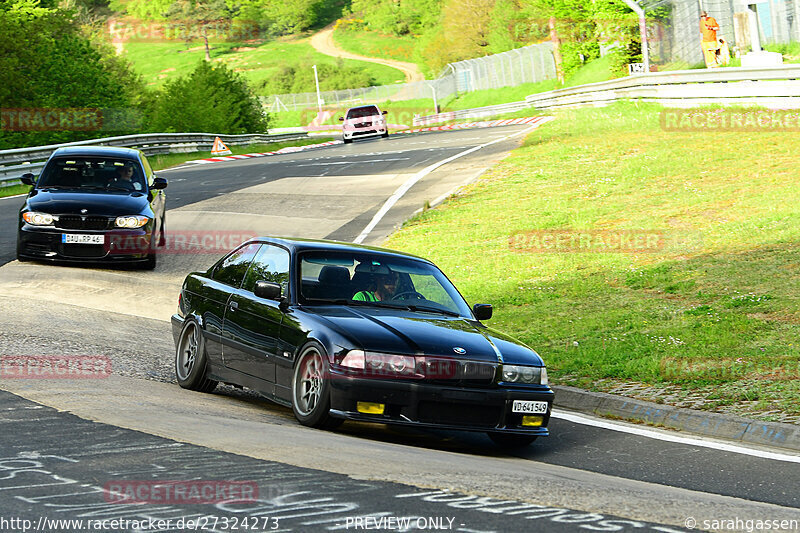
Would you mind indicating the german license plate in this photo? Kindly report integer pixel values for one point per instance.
(529, 407)
(77, 238)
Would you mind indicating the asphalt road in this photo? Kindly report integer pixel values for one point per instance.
(331, 192)
(60, 469)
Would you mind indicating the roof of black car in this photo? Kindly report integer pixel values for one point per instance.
(102, 151)
(302, 245)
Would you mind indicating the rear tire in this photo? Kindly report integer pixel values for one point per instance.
(511, 442)
(191, 361)
(311, 391)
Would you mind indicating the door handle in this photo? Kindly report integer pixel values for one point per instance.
(234, 306)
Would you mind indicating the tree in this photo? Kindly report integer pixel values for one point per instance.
(197, 15)
(46, 62)
(211, 99)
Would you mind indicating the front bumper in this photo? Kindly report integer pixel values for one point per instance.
(45, 244)
(360, 133)
(425, 405)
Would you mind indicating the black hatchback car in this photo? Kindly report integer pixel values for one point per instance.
(93, 203)
(347, 332)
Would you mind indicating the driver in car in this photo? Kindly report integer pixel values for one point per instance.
(385, 285)
(125, 180)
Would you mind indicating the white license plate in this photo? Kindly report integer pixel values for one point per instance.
(76, 238)
(529, 407)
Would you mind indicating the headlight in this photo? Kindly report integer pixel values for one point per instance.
(38, 219)
(131, 221)
(535, 375)
(381, 364)
(354, 359)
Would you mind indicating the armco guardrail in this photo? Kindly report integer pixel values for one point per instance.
(777, 87)
(475, 112)
(14, 163)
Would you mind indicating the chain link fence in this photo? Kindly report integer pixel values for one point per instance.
(524, 65)
(674, 36)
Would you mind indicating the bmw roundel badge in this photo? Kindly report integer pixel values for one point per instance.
(459, 350)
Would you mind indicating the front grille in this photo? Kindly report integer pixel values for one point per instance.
(459, 414)
(81, 222)
(446, 371)
(84, 251)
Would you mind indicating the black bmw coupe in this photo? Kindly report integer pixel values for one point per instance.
(93, 203)
(346, 332)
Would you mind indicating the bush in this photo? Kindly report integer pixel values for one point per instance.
(290, 79)
(575, 54)
(48, 63)
(212, 99)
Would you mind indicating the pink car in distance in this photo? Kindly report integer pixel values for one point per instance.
(363, 121)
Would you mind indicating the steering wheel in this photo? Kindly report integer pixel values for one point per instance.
(399, 295)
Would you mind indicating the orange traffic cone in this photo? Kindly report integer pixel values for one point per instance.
(219, 148)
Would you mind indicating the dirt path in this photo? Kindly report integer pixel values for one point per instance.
(323, 43)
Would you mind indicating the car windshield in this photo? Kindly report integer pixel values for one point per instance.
(379, 280)
(92, 173)
(361, 112)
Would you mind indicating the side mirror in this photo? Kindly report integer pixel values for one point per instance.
(341, 119)
(482, 311)
(385, 112)
(267, 290)
(159, 183)
(28, 179)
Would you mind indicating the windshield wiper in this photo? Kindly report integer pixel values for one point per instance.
(371, 304)
(414, 307)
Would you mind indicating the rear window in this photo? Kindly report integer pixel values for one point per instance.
(361, 112)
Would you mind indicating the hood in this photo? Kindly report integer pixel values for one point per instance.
(65, 201)
(416, 333)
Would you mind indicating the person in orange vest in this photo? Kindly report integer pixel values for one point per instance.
(708, 29)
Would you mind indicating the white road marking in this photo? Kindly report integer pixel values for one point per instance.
(667, 437)
(15, 196)
(351, 162)
(404, 188)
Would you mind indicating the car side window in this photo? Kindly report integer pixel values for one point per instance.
(148, 172)
(270, 264)
(233, 268)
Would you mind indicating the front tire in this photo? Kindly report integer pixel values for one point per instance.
(346, 140)
(191, 361)
(311, 396)
(511, 442)
(152, 257)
